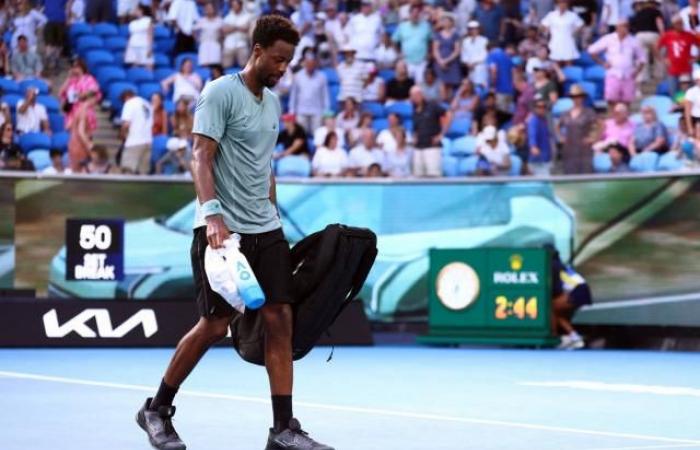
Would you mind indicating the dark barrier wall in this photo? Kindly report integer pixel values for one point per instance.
(633, 238)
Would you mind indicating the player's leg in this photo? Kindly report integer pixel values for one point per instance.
(563, 311)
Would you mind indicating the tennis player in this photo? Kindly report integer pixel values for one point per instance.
(236, 125)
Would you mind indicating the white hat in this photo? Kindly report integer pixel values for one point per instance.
(473, 24)
(348, 48)
(220, 274)
(490, 133)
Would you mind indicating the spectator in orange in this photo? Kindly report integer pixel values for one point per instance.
(182, 120)
(160, 115)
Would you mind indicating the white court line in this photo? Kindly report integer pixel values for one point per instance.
(672, 391)
(647, 447)
(649, 301)
(352, 409)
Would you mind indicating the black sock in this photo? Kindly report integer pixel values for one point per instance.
(164, 396)
(281, 411)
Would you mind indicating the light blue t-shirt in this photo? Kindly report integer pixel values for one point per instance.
(414, 40)
(246, 130)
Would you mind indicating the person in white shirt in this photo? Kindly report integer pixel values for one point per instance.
(365, 154)
(236, 28)
(309, 96)
(610, 15)
(125, 8)
(27, 22)
(494, 150)
(208, 29)
(373, 89)
(139, 48)
(352, 74)
(328, 126)
(329, 160)
(137, 120)
(349, 118)
(691, 17)
(563, 25)
(365, 31)
(692, 107)
(387, 138)
(334, 25)
(386, 54)
(32, 116)
(56, 167)
(474, 53)
(186, 83)
(185, 14)
(398, 162)
(75, 11)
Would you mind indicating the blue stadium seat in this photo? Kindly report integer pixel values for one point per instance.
(661, 104)
(159, 147)
(408, 125)
(517, 60)
(573, 73)
(664, 89)
(450, 166)
(669, 161)
(115, 91)
(161, 60)
(468, 165)
(108, 74)
(688, 149)
(169, 106)
(403, 108)
(602, 163)
(594, 73)
(164, 45)
(139, 75)
(105, 30)
(561, 106)
(294, 166)
(115, 44)
(644, 162)
(585, 60)
(161, 32)
(162, 73)
(50, 102)
(39, 84)
(98, 58)
(9, 86)
(146, 90)
(59, 141)
(57, 122)
(671, 120)
(380, 124)
(204, 73)
(78, 29)
(11, 100)
(124, 30)
(331, 75)
(33, 141)
(89, 42)
(516, 165)
(232, 70)
(387, 74)
(333, 91)
(40, 158)
(592, 90)
(446, 145)
(183, 56)
(459, 127)
(374, 108)
(463, 146)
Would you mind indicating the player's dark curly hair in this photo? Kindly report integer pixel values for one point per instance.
(272, 28)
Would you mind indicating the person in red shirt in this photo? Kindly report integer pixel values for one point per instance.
(678, 45)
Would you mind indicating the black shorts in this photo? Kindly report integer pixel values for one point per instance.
(268, 255)
(54, 34)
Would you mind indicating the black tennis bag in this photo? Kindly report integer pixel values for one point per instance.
(330, 267)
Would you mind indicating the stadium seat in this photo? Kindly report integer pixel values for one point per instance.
(162, 73)
(602, 163)
(115, 44)
(146, 90)
(661, 104)
(232, 70)
(98, 58)
(468, 165)
(294, 166)
(644, 162)
(374, 108)
(57, 122)
(105, 30)
(204, 73)
(115, 91)
(459, 128)
(78, 29)
(669, 161)
(664, 89)
(159, 147)
(161, 60)
(169, 106)
(387, 74)
(404, 109)
(183, 56)
(89, 42)
(33, 141)
(40, 158)
(516, 165)
(561, 106)
(138, 75)
(592, 90)
(59, 141)
(449, 166)
(408, 125)
(670, 120)
(636, 118)
(164, 45)
(380, 124)
(585, 60)
(463, 146)
(688, 149)
(333, 91)
(161, 32)
(9, 86)
(517, 60)
(11, 100)
(33, 82)
(124, 30)
(594, 73)
(573, 74)
(50, 102)
(108, 74)
(446, 145)
(331, 75)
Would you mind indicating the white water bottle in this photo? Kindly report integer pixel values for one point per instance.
(248, 287)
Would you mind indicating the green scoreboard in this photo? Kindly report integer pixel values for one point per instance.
(497, 296)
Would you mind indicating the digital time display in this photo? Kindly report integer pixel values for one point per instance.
(520, 308)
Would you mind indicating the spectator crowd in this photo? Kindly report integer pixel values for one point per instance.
(376, 88)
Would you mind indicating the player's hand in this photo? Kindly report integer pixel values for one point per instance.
(217, 232)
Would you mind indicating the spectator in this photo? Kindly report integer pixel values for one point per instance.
(125, 8)
(692, 107)
(387, 139)
(678, 45)
(647, 24)
(494, 151)
(488, 110)
(25, 63)
(75, 10)
(562, 26)
(490, 15)
(209, 29)
(329, 126)
(80, 141)
(429, 124)
(413, 36)
(5, 69)
(685, 82)
(54, 33)
(137, 123)
(79, 86)
(99, 11)
(618, 132)
(309, 96)
(373, 89)
(512, 23)
(351, 73)
(215, 71)
(650, 135)
(182, 120)
(355, 135)
(587, 11)
(691, 16)
(98, 163)
(349, 117)
(577, 131)
(465, 102)
(433, 89)
(517, 139)
(398, 162)
(5, 114)
(446, 52)
(374, 171)
(464, 11)
(31, 115)
(175, 161)
(366, 31)
(139, 48)
(386, 55)
(398, 87)
(236, 28)
(56, 167)
(624, 61)
(475, 51)
(545, 87)
(329, 160)
(160, 115)
(292, 139)
(610, 16)
(526, 98)
(364, 154)
(539, 10)
(27, 22)
(186, 83)
(501, 70)
(527, 48)
(184, 14)
(540, 139)
(11, 156)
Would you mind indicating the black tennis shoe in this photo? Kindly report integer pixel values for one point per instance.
(158, 425)
(293, 438)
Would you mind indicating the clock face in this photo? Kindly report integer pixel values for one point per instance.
(457, 286)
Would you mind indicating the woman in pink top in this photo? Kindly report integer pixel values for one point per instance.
(79, 86)
(80, 141)
(618, 131)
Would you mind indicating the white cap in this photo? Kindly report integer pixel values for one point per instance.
(220, 274)
(348, 48)
(473, 24)
(490, 133)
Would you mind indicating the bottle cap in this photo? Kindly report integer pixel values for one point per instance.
(253, 297)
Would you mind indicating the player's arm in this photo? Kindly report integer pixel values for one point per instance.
(273, 189)
(203, 153)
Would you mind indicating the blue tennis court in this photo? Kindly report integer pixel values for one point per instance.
(384, 397)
